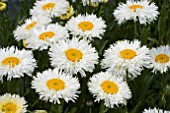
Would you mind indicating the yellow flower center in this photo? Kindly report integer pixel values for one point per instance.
(109, 87)
(135, 6)
(44, 36)
(162, 58)
(127, 54)
(74, 55)
(11, 61)
(86, 26)
(9, 108)
(55, 84)
(30, 26)
(48, 6)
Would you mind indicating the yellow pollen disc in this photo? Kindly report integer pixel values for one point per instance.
(9, 108)
(11, 61)
(134, 7)
(86, 26)
(30, 26)
(44, 36)
(162, 58)
(127, 54)
(74, 55)
(109, 87)
(55, 84)
(48, 6)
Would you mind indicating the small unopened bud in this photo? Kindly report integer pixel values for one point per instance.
(89, 103)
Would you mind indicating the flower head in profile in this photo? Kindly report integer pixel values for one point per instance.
(53, 85)
(126, 56)
(86, 26)
(15, 63)
(109, 88)
(73, 56)
(142, 11)
(68, 14)
(12, 104)
(160, 59)
(155, 110)
(93, 2)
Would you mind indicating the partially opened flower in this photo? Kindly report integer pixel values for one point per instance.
(12, 104)
(68, 14)
(2, 6)
(109, 88)
(44, 37)
(142, 11)
(24, 31)
(126, 56)
(53, 85)
(155, 110)
(86, 26)
(15, 63)
(50, 8)
(160, 59)
(73, 56)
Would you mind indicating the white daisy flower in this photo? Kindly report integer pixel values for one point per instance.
(113, 90)
(46, 36)
(53, 85)
(24, 31)
(50, 8)
(143, 11)
(155, 110)
(86, 26)
(15, 63)
(126, 56)
(93, 2)
(73, 56)
(160, 59)
(12, 104)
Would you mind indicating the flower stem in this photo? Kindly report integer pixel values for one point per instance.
(103, 109)
(135, 30)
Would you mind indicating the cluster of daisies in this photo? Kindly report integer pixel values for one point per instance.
(71, 53)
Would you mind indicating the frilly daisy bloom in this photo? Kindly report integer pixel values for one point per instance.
(46, 36)
(53, 85)
(113, 90)
(73, 56)
(143, 11)
(68, 14)
(93, 2)
(12, 104)
(155, 110)
(2, 6)
(24, 31)
(126, 56)
(160, 59)
(50, 8)
(86, 26)
(15, 63)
